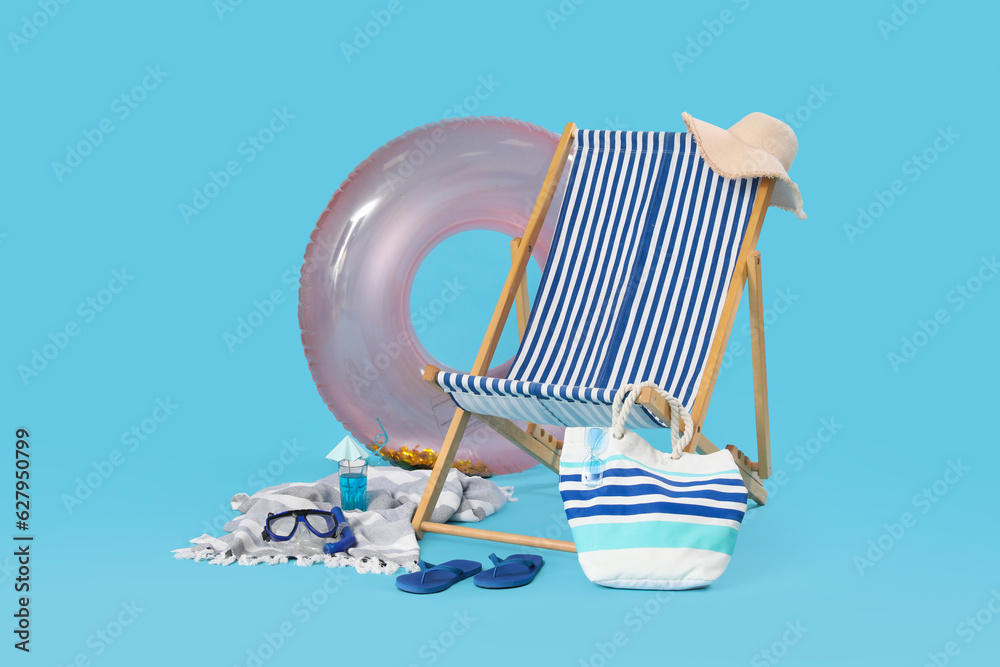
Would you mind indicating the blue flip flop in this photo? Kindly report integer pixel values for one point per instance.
(517, 570)
(436, 578)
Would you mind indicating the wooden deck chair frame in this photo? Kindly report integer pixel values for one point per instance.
(545, 448)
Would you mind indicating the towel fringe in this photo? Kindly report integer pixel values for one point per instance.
(363, 564)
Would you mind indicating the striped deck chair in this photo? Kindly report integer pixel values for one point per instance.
(649, 257)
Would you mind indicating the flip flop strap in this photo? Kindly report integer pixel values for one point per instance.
(497, 563)
(427, 567)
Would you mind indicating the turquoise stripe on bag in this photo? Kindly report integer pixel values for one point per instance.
(654, 535)
(622, 457)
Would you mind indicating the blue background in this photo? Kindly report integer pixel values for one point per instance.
(886, 96)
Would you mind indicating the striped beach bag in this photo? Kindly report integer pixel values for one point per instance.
(647, 519)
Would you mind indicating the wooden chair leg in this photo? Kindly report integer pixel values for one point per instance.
(541, 450)
(441, 467)
(759, 365)
(522, 305)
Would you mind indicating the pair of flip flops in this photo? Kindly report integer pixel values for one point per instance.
(510, 572)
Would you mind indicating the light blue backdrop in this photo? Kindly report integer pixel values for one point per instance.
(894, 116)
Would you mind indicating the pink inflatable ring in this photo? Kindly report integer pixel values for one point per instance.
(354, 302)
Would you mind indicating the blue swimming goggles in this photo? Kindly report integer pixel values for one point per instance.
(281, 527)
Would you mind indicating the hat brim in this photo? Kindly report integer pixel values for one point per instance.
(731, 157)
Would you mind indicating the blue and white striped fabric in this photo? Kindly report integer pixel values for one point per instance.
(654, 522)
(643, 253)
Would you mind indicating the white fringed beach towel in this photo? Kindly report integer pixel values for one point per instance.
(386, 541)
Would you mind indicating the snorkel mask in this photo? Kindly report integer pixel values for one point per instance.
(282, 526)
